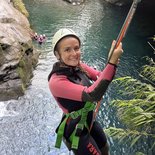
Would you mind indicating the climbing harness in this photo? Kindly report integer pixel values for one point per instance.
(75, 136)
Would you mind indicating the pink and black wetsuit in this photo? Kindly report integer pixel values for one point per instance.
(71, 87)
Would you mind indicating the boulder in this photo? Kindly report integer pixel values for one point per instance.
(149, 4)
(119, 2)
(75, 2)
(17, 55)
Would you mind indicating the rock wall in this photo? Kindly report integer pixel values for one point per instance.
(143, 3)
(75, 2)
(17, 55)
(119, 2)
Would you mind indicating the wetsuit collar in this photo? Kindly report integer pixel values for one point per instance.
(62, 69)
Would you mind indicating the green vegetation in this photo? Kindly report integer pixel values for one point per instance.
(19, 5)
(136, 108)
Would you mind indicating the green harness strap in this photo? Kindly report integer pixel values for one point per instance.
(61, 132)
(79, 127)
(82, 123)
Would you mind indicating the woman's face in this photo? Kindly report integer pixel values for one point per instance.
(69, 51)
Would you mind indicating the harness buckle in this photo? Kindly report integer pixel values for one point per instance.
(75, 114)
(79, 129)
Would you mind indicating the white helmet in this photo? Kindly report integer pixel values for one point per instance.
(60, 34)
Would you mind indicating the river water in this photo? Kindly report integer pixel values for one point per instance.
(28, 124)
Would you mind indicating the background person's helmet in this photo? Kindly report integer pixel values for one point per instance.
(62, 33)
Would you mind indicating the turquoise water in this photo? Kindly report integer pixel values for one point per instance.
(97, 23)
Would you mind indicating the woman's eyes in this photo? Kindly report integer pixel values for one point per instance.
(72, 49)
(76, 48)
(67, 50)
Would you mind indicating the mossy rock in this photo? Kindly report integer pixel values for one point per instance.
(19, 5)
(24, 70)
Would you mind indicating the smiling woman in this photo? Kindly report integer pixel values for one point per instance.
(69, 83)
(69, 53)
(97, 23)
(66, 47)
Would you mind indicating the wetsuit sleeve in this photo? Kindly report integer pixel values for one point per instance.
(97, 90)
(92, 73)
(60, 86)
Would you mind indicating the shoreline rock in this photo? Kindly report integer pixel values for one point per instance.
(17, 55)
(75, 2)
(143, 3)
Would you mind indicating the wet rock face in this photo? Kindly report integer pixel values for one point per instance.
(143, 3)
(119, 2)
(17, 57)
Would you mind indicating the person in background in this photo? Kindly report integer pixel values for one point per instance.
(44, 36)
(70, 82)
(35, 36)
(41, 39)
